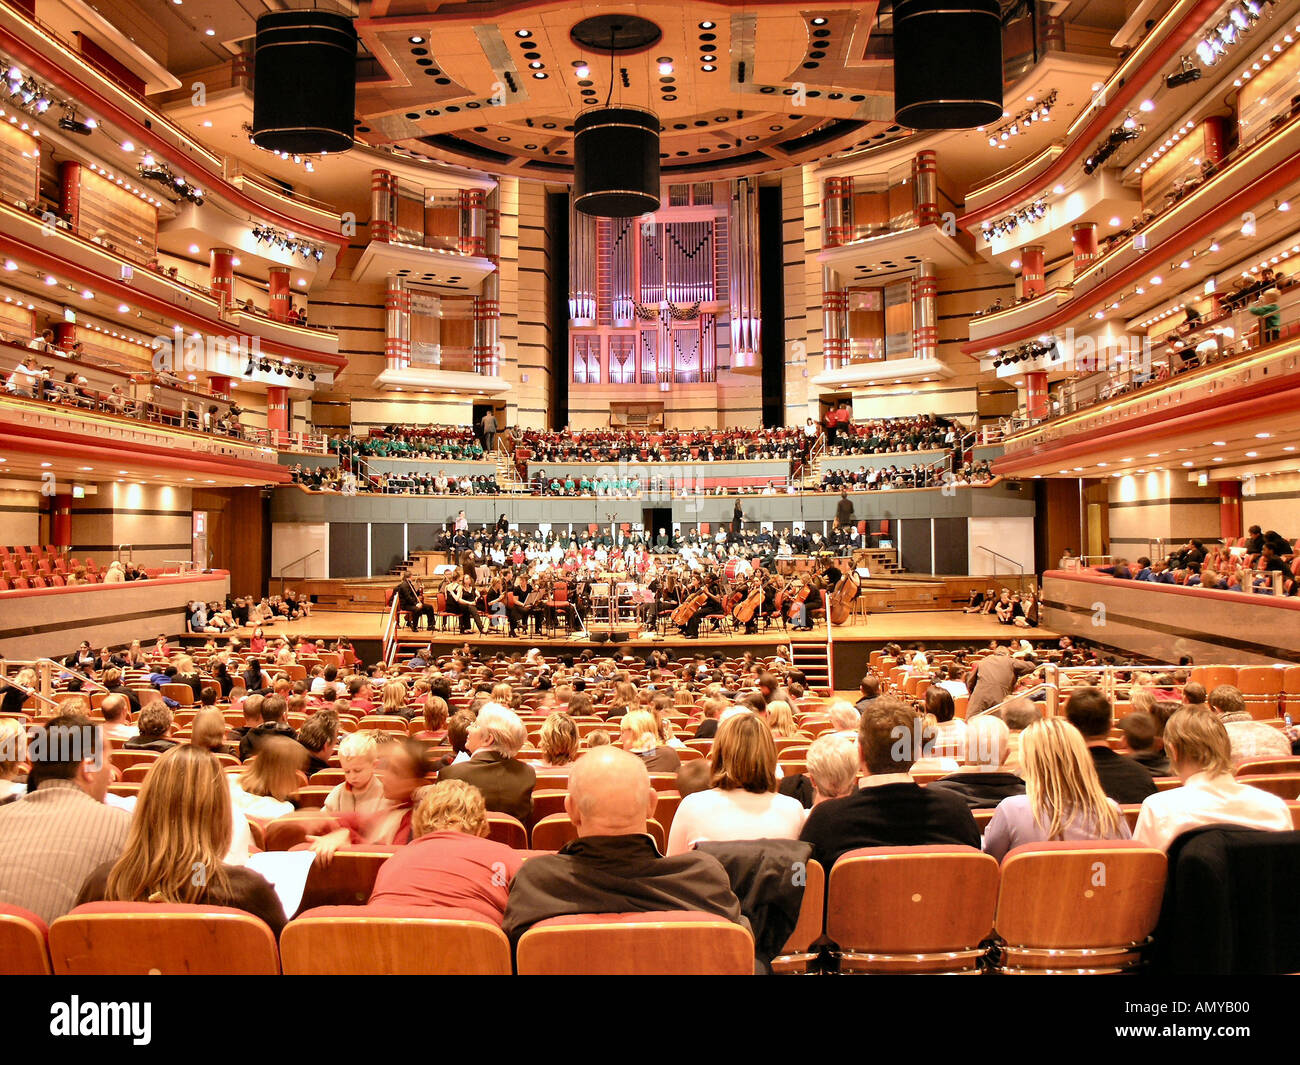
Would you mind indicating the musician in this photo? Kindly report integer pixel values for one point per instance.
(712, 605)
(460, 600)
(844, 511)
(410, 598)
(803, 609)
(832, 575)
(534, 601)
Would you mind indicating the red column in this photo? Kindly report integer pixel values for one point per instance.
(277, 409)
(1215, 135)
(221, 386)
(1033, 280)
(70, 192)
(1229, 510)
(1083, 241)
(65, 335)
(221, 276)
(61, 521)
(281, 298)
(1036, 393)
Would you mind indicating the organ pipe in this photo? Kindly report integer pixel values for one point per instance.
(745, 309)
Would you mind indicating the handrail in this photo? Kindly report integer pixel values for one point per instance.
(304, 558)
(390, 633)
(62, 667)
(31, 693)
(1019, 565)
(1052, 691)
(830, 643)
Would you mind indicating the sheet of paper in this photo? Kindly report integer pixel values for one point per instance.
(287, 871)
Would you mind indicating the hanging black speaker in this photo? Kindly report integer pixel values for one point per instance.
(304, 82)
(616, 162)
(947, 63)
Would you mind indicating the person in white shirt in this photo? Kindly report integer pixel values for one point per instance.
(1201, 753)
(743, 802)
(25, 379)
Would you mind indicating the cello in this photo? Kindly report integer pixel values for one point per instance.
(691, 606)
(749, 604)
(842, 598)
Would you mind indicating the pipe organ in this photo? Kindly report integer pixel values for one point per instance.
(648, 295)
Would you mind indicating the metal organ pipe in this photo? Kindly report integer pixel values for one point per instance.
(745, 309)
(582, 266)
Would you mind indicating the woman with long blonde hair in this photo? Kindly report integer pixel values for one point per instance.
(639, 734)
(393, 699)
(1063, 797)
(559, 741)
(266, 781)
(176, 848)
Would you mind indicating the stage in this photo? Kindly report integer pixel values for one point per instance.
(852, 642)
(940, 628)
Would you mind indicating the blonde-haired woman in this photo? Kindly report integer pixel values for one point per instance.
(559, 741)
(392, 699)
(450, 862)
(639, 734)
(1063, 799)
(264, 785)
(182, 828)
(742, 802)
(781, 719)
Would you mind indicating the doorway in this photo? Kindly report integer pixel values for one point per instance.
(655, 518)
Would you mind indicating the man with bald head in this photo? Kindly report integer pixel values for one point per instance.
(614, 866)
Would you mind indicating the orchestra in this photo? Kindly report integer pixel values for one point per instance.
(631, 590)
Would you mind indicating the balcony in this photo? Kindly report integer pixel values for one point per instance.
(901, 249)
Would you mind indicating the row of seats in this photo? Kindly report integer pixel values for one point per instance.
(894, 909)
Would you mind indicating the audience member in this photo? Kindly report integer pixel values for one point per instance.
(1123, 779)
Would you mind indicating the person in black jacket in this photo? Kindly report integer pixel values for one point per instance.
(890, 809)
(1122, 779)
(982, 782)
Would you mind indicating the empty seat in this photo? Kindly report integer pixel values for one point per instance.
(142, 938)
(393, 940)
(1285, 785)
(349, 878)
(1262, 688)
(508, 830)
(667, 943)
(23, 950)
(911, 909)
(1078, 907)
(1267, 767)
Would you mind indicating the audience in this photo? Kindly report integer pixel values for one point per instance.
(613, 866)
(361, 791)
(890, 809)
(1063, 797)
(985, 780)
(180, 834)
(1123, 779)
(1249, 738)
(742, 802)
(449, 862)
(1201, 753)
(52, 838)
(493, 741)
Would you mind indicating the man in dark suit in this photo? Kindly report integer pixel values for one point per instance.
(493, 741)
(870, 688)
(613, 866)
(412, 603)
(890, 809)
(1122, 779)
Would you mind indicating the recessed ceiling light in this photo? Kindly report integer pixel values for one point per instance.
(210, 32)
(582, 71)
(523, 33)
(1219, 443)
(1289, 447)
(1147, 105)
(539, 75)
(1252, 454)
(819, 21)
(127, 146)
(1262, 436)
(122, 308)
(417, 39)
(86, 469)
(46, 465)
(706, 25)
(665, 68)
(194, 249)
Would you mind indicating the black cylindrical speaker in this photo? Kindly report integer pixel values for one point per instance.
(947, 63)
(616, 162)
(304, 82)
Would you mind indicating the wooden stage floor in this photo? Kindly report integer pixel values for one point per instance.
(916, 626)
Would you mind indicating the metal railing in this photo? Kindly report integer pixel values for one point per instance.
(281, 578)
(390, 633)
(1020, 575)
